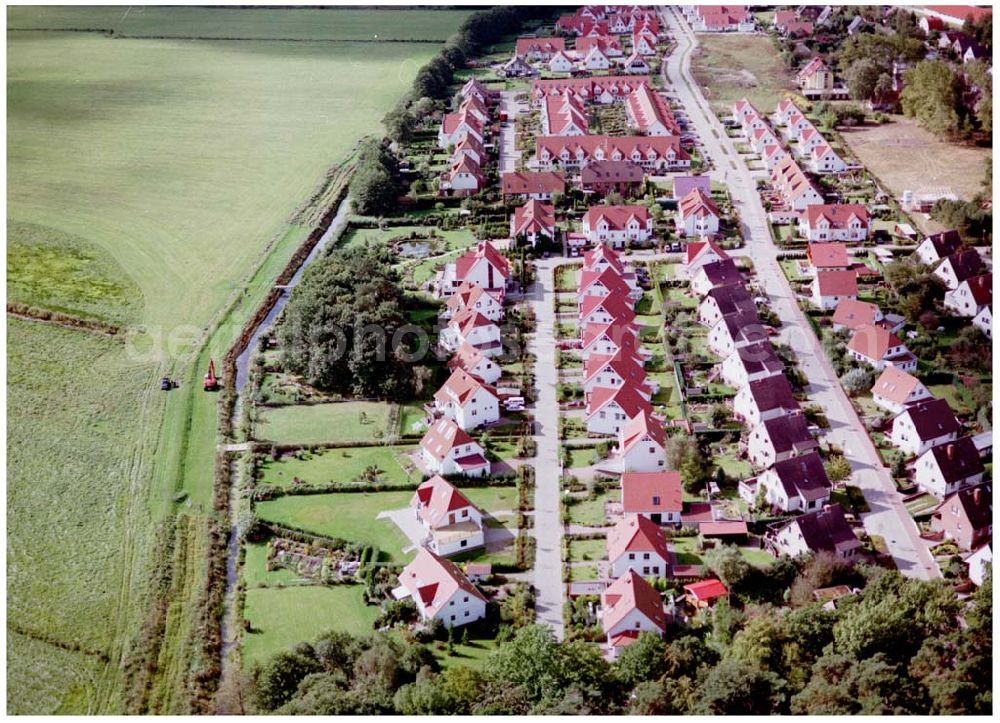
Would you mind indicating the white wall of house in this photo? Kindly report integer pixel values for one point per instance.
(462, 609)
(962, 302)
(647, 564)
(481, 408)
(608, 420)
(645, 455)
(905, 438)
(927, 475)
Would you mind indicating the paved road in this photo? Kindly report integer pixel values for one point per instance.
(888, 517)
(549, 587)
(508, 150)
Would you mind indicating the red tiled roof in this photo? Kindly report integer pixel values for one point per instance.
(434, 580)
(460, 386)
(435, 498)
(837, 283)
(706, 590)
(628, 593)
(614, 304)
(894, 385)
(602, 147)
(617, 217)
(626, 396)
(548, 46)
(534, 217)
(853, 313)
(636, 533)
(696, 248)
(873, 342)
(722, 528)
(828, 255)
(603, 252)
(443, 436)
(651, 491)
(529, 182)
(838, 215)
(697, 203)
(607, 277)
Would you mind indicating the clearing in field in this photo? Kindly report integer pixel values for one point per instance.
(342, 465)
(332, 422)
(905, 157)
(730, 67)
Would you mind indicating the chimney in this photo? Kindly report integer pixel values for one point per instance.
(977, 496)
(951, 452)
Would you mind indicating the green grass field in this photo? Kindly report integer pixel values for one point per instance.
(341, 465)
(157, 180)
(731, 67)
(282, 617)
(334, 422)
(453, 239)
(580, 550)
(347, 515)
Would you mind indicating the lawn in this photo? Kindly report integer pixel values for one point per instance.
(164, 174)
(341, 465)
(730, 67)
(472, 655)
(581, 456)
(334, 422)
(590, 512)
(347, 515)
(255, 573)
(452, 240)
(583, 573)
(758, 557)
(282, 617)
(685, 550)
(494, 499)
(580, 550)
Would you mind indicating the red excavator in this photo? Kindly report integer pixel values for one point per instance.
(211, 382)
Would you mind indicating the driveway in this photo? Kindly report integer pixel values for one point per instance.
(507, 147)
(549, 587)
(888, 517)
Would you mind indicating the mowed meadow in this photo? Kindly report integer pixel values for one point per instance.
(152, 181)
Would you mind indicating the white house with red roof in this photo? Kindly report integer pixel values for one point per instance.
(476, 298)
(705, 593)
(653, 153)
(778, 439)
(483, 266)
(610, 45)
(734, 331)
(895, 390)
(564, 115)
(465, 177)
(561, 63)
(467, 401)
(835, 222)
(649, 113)
(447, 449)
(630, 606)
(644, 43)
(741, 109)
(809, 138)
(749, 363)
(853, 314)
(653, 494)
(823, 159)
(765, 399)
(797, 190)
(772, 154)
(785, 109)
(938, 246)
(614, 371)
(958, 267)
(472, 327)
(453, 524)
(456, 125)
(945, 469)
(637, 543)
(535, 221)
(878, 347)
(440, 590)
(641, 444)
(815, 76)
(609, 339)
(469, 146)
(474, 363)
(924, 425)
(701, 252)
(601, 257)
(828, 256)
(615, 308)
(597, 89)
(617, 225)
(608, 281)
(596, 60)
(539, 48)
(609, 409)
(537, 185)
(971, 296)
(635, 64)
(830, 288)
(697, 215)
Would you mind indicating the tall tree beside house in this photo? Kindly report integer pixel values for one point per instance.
(980, 81)
(933, 96)
(866, 78)
(684, 455)
(341, 328)
(374, 187)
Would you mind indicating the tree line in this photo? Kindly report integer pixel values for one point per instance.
(901, 646)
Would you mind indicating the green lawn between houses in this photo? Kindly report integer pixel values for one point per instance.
(333, 422)
(342, 465)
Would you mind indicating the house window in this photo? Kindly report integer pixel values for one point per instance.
(452, 617)
(631, 556)
(645, 570)
(656, 498)
(466, 613)
(645, 556)
(464, 543)
(465, 599)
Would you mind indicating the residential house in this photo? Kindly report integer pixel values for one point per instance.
(797, 190)
(945, 469)
(635, 64)
(853, 314)
(835, 222)
(533, 185)
(958, 267)
(829, 288)
(483, 266)
(828, 257)
(797, 484)
(749, 363)
(984, 321)
(610, 45)
(648, 113)
(715, 273)
(611, 309)
(641, 444)
(722, 301)
(706, 593)
(440, 590)
(470, 296)
(604, 177)
(467, 401)
(823, 159)
(939, 246)
(741, 109)
(815, 77)
(476, 364)
(469, 326)
(607, 281)
(618, 225)
(597, 89)
(517, 67)
(453, 524)
(734, 331)
(535, 221)
(971, 296)
(786, 109)
(447, 449)
(610, 409)
(878, 347)
(765, 399)
(596, 60)
(697, 215)
(609, 339)
(564, 116)
(824, 530)
(456, 125)
(539, 49)
(464, 178)
(644, 43)
(654, 153)
(702, 252)
(637, 544)
(966, 517)
(601, 257)
(613, 372)
(469, 146)
(778, 439)
(895, 390)
(654, 495)
(561, 63)
(630, 606)
(980, 564)
(924, 425)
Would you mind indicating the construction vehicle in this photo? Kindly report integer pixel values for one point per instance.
(211, 382)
